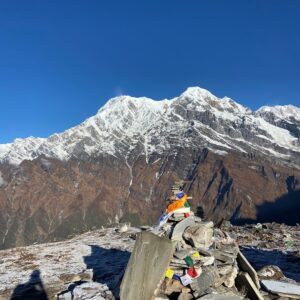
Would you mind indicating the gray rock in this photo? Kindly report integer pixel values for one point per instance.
(220, 297)
(282, 288)
(65, 296)
(230, 249)
(146, 267)
(204, 252)
(88, 290)
(197, 219)
(201, 284)
(181, 254)
(199, 236)
(224, 269)
(161, 297)
(224, 257)
(230, 278)
(185, 296)
(170, 287)
(270, 272)
(207, 260)
(181, 227)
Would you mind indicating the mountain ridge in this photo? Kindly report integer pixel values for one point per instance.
(120, 165)
(125, 121)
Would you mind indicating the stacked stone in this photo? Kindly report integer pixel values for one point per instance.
(186, 258)
(204, 259)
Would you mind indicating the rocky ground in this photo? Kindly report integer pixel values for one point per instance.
(99, 256)
(270, 244)
(90, 266)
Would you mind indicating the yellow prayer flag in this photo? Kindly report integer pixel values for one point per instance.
(169, 273)
(196, 254)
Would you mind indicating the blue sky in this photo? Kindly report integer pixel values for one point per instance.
(61, 60)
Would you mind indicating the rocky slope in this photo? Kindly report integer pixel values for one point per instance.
(91, 265)
(121, 163)
(98, 258)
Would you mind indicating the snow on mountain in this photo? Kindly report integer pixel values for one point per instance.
(144, 126)
(284, 112)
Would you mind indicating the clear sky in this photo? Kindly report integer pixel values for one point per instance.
(61, 60)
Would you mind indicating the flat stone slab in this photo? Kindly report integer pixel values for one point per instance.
(246, 267)
(201, 284)
(146, 267)
(220, 297)
(246, 284)
(182, 254)
(282, 288)
(181, 227)
(224, 257)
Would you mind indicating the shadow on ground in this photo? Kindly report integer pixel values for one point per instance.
(31, 290)
(108, 266)
(288, 263)
(284, 209)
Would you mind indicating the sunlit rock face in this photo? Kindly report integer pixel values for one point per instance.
(119, 165)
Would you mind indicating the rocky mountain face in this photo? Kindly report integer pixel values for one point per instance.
(119, 165)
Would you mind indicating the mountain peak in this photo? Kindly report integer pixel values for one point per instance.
(127, 123)
(197, 93)
(281, 111)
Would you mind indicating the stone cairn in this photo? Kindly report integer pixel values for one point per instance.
(185, 258)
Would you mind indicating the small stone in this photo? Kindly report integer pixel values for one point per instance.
(230, 280)
(202, 283)
(65, 296)
(270, 272)
(181, 254)
(185, 296)
(178, 262)
(199, 236)
(207, 261)
(76, 278)
(92, 290)
(225, 269)
(171, 286)
(204, 252)
(223, 257)
(198, 219)
(186, 289)
(123, 228)
(161, 297)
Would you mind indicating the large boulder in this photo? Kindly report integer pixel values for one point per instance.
(200, 235)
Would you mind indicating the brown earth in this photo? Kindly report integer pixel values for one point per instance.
(47, 199)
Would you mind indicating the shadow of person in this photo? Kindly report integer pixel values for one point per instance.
(31, 290)
(108, 266)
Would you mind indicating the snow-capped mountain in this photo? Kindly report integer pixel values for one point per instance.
(195, 119)
(120, 164)
(285, 112)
